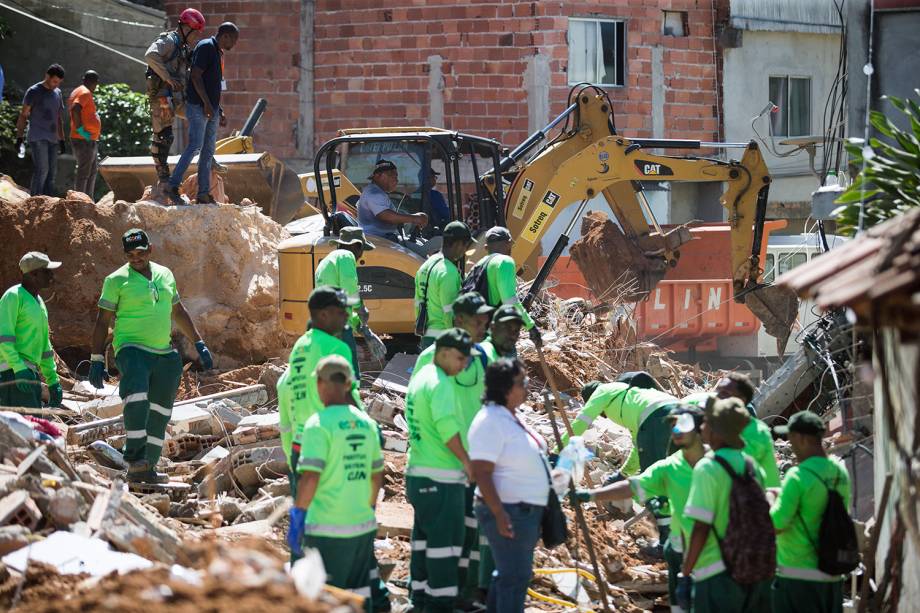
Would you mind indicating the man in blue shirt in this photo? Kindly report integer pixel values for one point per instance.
(376, 212)
(43, 110)
(203, 111)
(440, 212)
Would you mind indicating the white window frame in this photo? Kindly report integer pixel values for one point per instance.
(597, 21)
(784, 104)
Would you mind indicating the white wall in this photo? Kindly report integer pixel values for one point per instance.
(746, 91)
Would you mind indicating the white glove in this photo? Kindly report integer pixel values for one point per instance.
(374, 344)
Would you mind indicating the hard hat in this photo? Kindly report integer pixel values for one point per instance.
(192, 18)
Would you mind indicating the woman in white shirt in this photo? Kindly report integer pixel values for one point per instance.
(512, 475)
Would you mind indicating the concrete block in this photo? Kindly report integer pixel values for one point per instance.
(13, 538)
(71, 554)
(19, 509)
(65, 507)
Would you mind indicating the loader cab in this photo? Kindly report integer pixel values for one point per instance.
(465, 166)
(441, 173)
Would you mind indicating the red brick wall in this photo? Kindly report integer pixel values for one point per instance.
(371, 69)
(263, 64)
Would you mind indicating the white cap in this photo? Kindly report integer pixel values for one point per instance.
(35, 260)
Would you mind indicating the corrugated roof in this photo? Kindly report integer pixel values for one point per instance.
(812, 16)
(882, 265)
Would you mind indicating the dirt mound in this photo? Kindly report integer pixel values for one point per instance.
(223, 258)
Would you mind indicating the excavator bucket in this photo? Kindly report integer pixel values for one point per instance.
(615, 266)
(261, 177)
(777, 308)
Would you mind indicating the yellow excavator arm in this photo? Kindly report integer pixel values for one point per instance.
(589, 160)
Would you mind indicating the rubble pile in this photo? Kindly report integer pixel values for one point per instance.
(232, 294)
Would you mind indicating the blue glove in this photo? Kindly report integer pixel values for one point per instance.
(97, 374)
(684, 592)
(296, 530)
(56, 395)
(25, 381)
(582, 496)
(207, 362)
(82, 132)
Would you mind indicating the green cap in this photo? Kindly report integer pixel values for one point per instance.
(457, 230)
(333, 365)
(352, 235)
(471, 303)
(327, 296)
(455, 338)
(507, 312)
(588, 390)
(728, 417)
(803, 422)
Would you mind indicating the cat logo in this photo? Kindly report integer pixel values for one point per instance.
(551, 198)
(528, 185)
(651, 169)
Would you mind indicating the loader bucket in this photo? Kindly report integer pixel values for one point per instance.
(261, 177)
(777, 308)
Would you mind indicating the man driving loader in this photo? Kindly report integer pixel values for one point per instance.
(376, 212)
(168, 59)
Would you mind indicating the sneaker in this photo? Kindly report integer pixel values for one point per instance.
(172, 192)
(141, 472)
(205, 199)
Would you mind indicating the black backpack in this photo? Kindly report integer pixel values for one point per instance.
(749, 545)
(478, 280)
(837, 547)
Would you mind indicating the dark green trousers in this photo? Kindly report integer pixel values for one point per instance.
(348, 337)
(437, 542)
(653, 442)
(12, 396)
(800, 596)
(486, 563)
(470, 555)
(148, 386)
(720, 594)
(351, 565)
(674, 560)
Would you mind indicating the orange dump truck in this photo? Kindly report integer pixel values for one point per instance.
(692, 309)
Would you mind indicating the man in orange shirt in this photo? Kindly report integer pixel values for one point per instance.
(84, 132)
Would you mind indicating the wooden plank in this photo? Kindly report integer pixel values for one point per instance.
(394, 519)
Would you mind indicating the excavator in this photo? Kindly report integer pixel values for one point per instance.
(577, 157)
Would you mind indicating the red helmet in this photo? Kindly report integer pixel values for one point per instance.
(192, 18)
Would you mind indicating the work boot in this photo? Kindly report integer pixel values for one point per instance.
(172, 192)
(140, 471)
(205, 199)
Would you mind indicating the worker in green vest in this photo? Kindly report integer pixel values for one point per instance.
(341, 473)
(671, 478)
(503, 333)
(142, 300)
(471, 314)
(328, 313)
(501, 274)
(25, 343)
(340, 269)
(797, 515)
(758, 440)
(437, 284)
(437, 473)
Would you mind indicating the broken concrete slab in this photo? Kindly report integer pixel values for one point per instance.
(261, 527)
(395, 377)
(394, 519)
(65, 507)
(71, 554)
(190, 418)
(13, 538)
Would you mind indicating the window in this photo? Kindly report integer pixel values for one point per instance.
(674, 23)
(597, 52)
(793, 97)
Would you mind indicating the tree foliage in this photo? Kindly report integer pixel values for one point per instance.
(890, 183)
(125, 120)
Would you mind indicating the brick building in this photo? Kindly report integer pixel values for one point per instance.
(498, 69)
